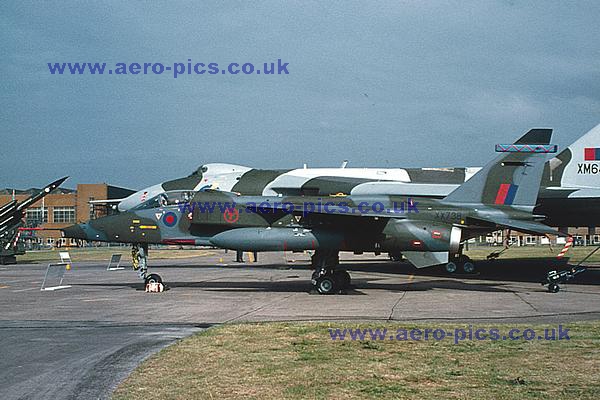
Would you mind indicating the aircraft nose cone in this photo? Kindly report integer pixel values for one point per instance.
(74, 232)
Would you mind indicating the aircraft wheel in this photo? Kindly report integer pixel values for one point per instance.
(326, 285)
(469, 267)
(450, 267)
(553, 288)
(153, 278)
(343, 278)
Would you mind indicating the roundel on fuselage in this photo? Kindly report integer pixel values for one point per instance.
(169, 219)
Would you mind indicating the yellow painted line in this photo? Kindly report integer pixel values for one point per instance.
(4, 287)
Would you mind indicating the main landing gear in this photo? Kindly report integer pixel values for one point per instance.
(139, 256)
(460, 262)
(327, 278)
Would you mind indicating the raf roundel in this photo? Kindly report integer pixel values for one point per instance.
(169, 219)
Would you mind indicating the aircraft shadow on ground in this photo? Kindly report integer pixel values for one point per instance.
(303, 286)
(530, 270)
(511, 270)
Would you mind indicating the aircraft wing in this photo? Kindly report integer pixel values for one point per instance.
(530, 227)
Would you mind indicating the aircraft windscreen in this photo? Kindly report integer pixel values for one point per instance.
(167, 199)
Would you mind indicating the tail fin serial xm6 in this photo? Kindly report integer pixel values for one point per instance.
(577, 166)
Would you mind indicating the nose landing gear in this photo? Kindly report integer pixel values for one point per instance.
(139, 256)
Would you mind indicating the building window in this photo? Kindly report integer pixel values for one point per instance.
(92, 208)
(530, 240)
(34, 217)
(64, 214)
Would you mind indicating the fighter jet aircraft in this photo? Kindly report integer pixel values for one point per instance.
(570, 194)
(11, 219)
(428, 232)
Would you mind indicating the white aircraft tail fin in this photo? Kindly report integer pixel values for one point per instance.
(578, 165)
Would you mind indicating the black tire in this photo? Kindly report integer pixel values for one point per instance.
(468, 267)
(153, 278)
(553, 288)
(326, 285)
(450, 267)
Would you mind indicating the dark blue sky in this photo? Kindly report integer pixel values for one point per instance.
(444, 82)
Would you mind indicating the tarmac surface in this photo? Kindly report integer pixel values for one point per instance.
(80, 342)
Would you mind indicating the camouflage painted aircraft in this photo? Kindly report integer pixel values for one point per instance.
(430, 231)
(570, 193)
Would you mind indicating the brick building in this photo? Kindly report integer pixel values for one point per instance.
(62, 208)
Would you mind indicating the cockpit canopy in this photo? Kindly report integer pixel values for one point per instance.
(170, 198)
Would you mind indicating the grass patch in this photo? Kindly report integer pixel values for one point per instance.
(299, 360)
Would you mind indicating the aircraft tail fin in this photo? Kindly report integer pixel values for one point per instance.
(513, 177)
(578, 165)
